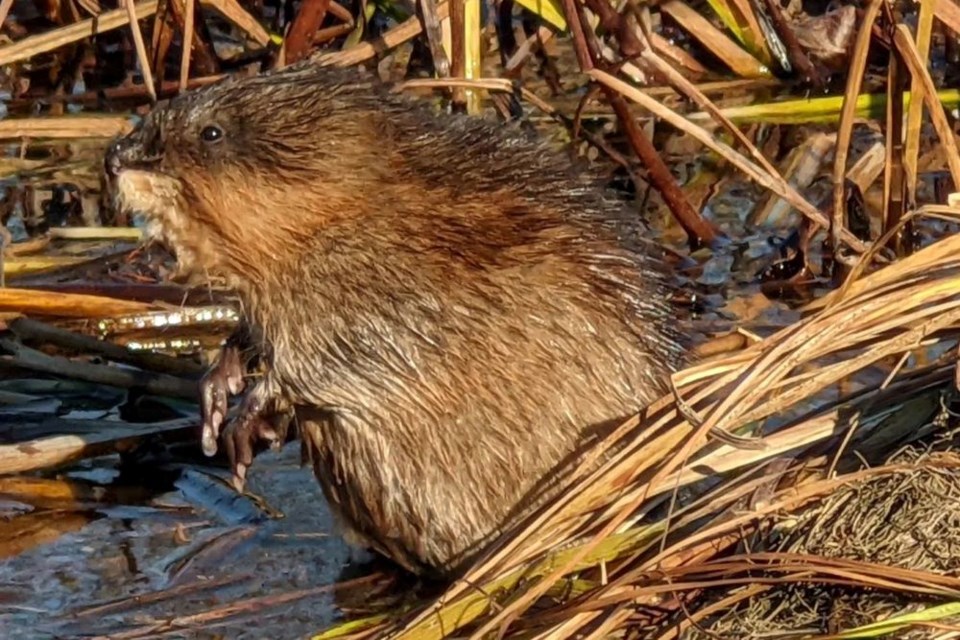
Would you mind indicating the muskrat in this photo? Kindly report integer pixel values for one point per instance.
(450, 307)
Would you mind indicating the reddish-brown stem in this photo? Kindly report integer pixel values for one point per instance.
(458, 65)
(579, 37)
(699, 231)
(308, 20)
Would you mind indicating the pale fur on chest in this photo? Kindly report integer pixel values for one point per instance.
(158, 199)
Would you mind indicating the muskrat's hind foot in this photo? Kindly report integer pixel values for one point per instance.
(221, 381)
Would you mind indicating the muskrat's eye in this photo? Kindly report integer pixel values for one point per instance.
(211, 133)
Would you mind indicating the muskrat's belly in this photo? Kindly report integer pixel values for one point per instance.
(429, 506)
(428, 466)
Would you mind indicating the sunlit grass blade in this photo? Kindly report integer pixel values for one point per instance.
(903, 622)
(549, 10)
(816, 110)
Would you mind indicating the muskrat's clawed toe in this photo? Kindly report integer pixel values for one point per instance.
(225, 379)
(243, 438)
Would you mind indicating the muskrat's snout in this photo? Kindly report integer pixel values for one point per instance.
(139, 149)
(123, 153)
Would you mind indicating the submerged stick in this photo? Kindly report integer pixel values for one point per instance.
(91, 438)
(159, 384)
(32, 330)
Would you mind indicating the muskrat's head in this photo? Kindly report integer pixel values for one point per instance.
(232, 174)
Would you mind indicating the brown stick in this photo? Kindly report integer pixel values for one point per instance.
(155, 384)
(308, 20)
(29, 330)
(699, 231)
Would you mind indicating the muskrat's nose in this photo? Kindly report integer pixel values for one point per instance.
(117, 156)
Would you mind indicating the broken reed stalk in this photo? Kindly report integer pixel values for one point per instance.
(141, 49)
(188, 23)
(858, 65)
(883, 315)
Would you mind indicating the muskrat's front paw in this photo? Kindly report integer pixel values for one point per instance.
(223, 380)
(241, 437)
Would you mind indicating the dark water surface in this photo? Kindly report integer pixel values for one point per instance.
(194, 537)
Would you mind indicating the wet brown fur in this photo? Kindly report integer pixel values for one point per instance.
(450, 305)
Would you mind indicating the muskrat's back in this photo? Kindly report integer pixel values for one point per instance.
(452, 308)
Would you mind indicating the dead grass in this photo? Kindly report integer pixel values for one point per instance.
(904, 517)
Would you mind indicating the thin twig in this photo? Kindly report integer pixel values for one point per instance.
(188, 21)
(153, 383)
(141, 48)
